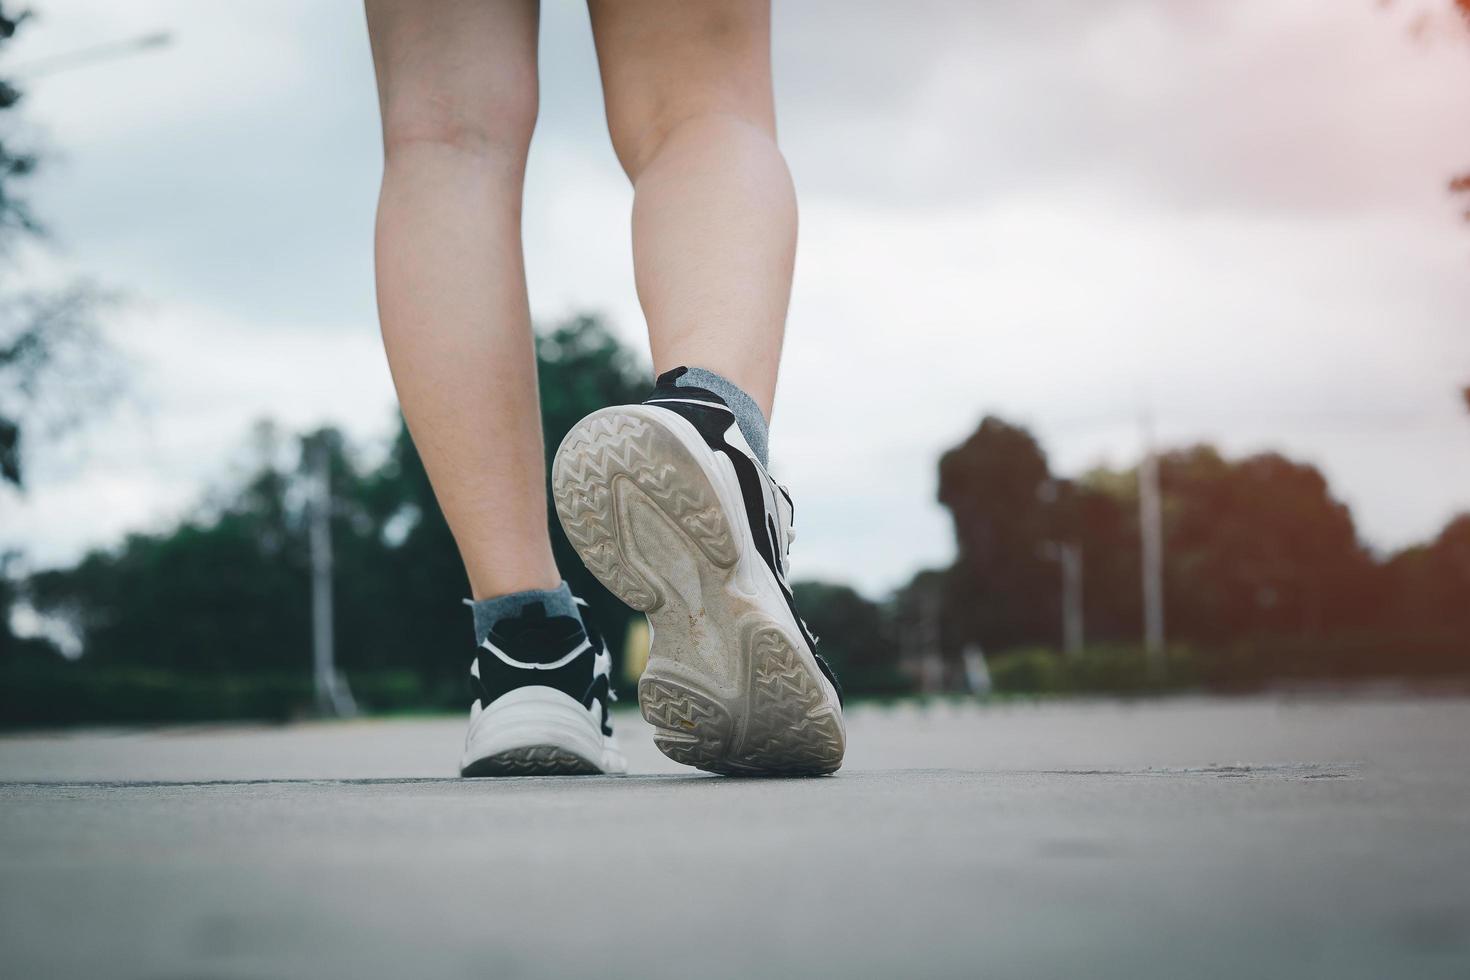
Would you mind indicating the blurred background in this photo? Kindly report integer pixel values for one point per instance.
(1128, 352)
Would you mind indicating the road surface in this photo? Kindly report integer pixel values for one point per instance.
(1263, 837)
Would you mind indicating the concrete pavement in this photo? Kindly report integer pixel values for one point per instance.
(1263, 837)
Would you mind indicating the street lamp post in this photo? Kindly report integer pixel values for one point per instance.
(84, 57)
(332, 694)
(1151, 535)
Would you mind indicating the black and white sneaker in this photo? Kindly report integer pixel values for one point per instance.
(670, 509)
(541, 690)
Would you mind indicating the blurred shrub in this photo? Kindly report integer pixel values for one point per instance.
(873, 682)
(36, 692)
(1425, 655)
(855, 635)
(1240, 667)
(1110, 669)
(1030, 671)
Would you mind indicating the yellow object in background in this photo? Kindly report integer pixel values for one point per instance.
(635, 649)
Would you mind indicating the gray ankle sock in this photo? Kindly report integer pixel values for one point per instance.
(488, 612)
(748, 415)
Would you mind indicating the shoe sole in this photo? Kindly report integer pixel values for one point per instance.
(531, 760)
(538, 731)
(730, 686)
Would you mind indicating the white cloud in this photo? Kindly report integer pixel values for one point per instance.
(1311, 106)
(199, 384)
(1056, 211)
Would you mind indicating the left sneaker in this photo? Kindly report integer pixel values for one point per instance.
(541, 687)
(669, 508)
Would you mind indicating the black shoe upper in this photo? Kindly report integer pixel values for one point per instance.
(561, 652)
(715, 422)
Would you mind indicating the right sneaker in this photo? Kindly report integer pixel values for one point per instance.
(541, 687)
(669, 508)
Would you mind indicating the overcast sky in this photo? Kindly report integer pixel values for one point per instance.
(1231, 212)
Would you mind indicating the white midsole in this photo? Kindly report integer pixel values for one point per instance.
(535, 716)
(752, 577)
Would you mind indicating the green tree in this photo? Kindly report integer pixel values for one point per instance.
(15, 163)
(227, 591)
(224, 591)
(53, 367)
(582, 367)
(53, 364)
(854, 636)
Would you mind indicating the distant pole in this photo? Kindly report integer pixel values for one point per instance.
(332, 696)
(1151, 534)
(929, 650)
(1070, 557)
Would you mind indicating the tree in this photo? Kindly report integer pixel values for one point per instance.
(222, 592)
(226, 592)
(582, 367)
(1460, 184)
(853, 635)
(1422, 22)
(999, 492)
(1428, 585)
(15, 164)
(1105, 521)
(53, 368)
(1258, 547)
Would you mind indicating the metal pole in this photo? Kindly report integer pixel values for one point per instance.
(931, 657)
(1070, 557)
(331, 693)
(1151, 534)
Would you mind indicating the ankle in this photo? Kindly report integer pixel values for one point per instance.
(557, 601)
(505, 579)
(749, 416)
